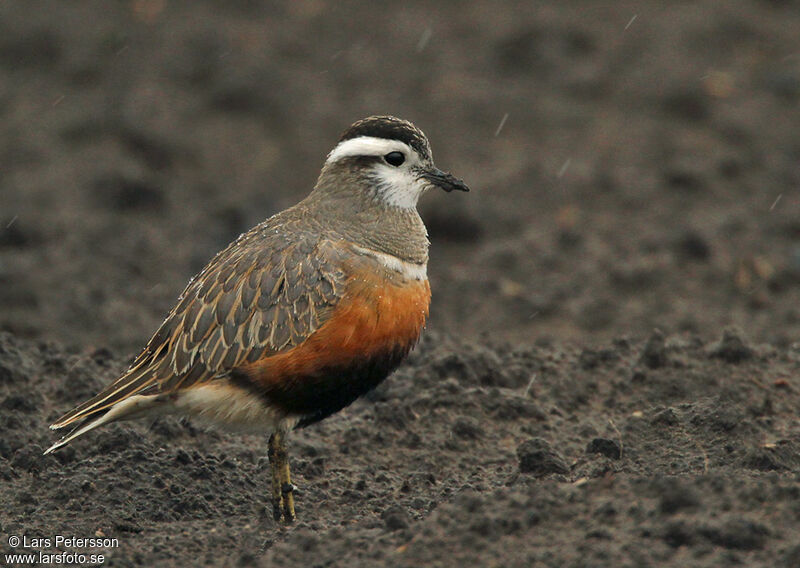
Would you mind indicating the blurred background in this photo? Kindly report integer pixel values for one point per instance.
(633, 164)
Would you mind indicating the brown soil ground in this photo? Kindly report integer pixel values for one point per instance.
(609, 377)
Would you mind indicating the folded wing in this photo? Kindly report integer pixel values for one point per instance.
(258, 297)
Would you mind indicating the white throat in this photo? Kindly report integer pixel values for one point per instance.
(398, 188)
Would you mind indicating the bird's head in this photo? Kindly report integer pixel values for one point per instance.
(387, 160)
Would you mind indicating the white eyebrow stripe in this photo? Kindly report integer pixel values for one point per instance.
(366, 146)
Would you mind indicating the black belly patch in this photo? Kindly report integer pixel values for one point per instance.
(328, 391)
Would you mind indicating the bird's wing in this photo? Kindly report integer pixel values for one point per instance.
(260, 296)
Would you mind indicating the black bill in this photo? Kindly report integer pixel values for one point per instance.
(446, 181)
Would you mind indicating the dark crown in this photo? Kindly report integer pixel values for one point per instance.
(391, 128)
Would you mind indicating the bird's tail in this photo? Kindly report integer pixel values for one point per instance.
(131, 407)
(126, 398)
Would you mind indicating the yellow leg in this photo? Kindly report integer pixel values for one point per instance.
(282, 488)
(277, 497)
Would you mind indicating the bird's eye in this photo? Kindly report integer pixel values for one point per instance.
(394, 158)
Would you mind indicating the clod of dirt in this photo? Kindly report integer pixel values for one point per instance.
(536, 456)
(654, 355)
(19, 403)
(28, 459)
(732, 348)
(740, 534)
(665, 417)
(609, 448)
(467, 428)
(592, 358)
(675, 495)
(480, 366)
(735, 534)
(718, 415)
(395, 518)
(778, 457)
(7, 374)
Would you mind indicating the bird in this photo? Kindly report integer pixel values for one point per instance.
(302, 314)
